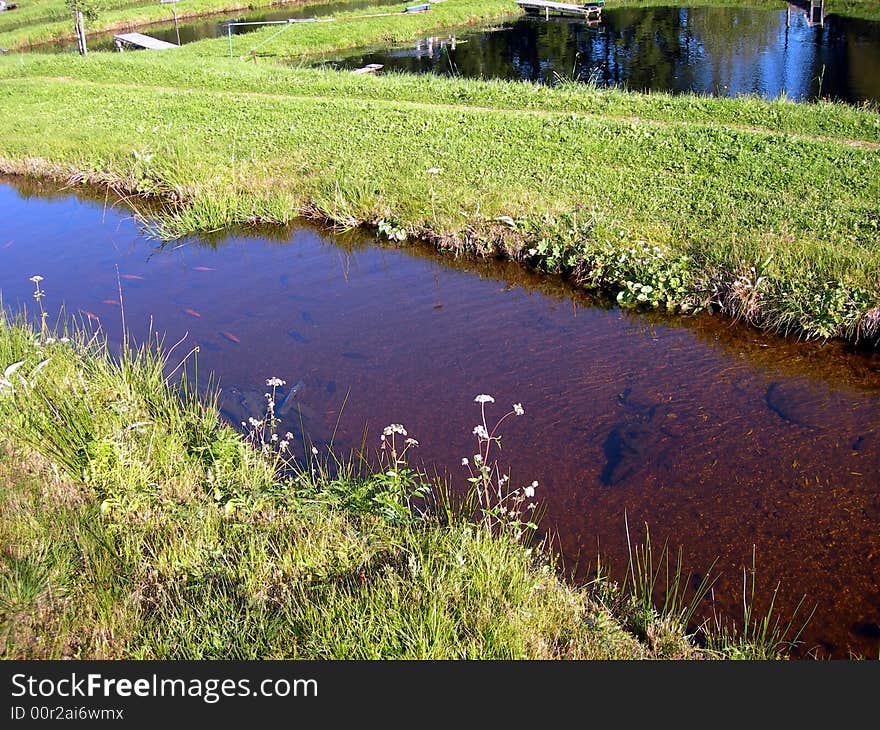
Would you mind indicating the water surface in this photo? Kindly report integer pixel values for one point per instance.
(723, 51)
(719, 437)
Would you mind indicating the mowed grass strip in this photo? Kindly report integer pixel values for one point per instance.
(820, 120)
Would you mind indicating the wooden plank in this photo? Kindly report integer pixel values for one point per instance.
(139, 40)
(370, 68)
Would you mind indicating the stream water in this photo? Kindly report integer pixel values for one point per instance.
(720, 438)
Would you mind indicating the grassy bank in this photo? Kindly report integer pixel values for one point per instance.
(135, 524)
(15, 34)
(766, 210)
(34, 23)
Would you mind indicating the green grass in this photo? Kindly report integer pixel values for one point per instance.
(46, 21)
(135, 524)
(18, 33)
(766, 210)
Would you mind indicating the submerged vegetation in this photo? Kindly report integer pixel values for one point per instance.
(136, 524)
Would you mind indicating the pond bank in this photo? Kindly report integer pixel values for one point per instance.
(137, 525)
(763, 210)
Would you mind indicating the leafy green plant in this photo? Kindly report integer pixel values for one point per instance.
(392, 228)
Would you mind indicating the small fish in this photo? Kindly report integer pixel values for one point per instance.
(131, 276)
(307, 317)
(111, 302)
(203, 268)
(90, 315)
(192, 313)
(354, 356)
(291, 394)
(438, 306)
(8, 244)
(298, 336)
(231, 337)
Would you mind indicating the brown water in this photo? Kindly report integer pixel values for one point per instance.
(718, 437)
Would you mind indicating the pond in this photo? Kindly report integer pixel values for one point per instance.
(723, 51)
(718, 437)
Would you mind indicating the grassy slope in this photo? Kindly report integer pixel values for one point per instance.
(134, 525)
(768, 210)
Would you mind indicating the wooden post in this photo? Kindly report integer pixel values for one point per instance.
(80, 27)
(176, 29)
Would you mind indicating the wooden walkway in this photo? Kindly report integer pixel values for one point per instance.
(546, 7)
(139, 40)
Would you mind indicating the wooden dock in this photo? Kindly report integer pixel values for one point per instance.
(139, 40)
(589, 10)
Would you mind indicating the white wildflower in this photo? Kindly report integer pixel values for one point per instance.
(483, 398)
(283, 445)
(275, 382)
(394, 428)
(480, 431)
(50, 340)
(529, 491)
(274, 436)
(518, 409)
(315, 450)
(64, 340)
(411, 442)
(254, 422)
(433, 170)
(36, 279)
(288, 435)
(477, 459)
(464, 461)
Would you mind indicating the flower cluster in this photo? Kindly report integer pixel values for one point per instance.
(500, 505)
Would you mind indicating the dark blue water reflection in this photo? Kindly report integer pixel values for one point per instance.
(720, 51)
